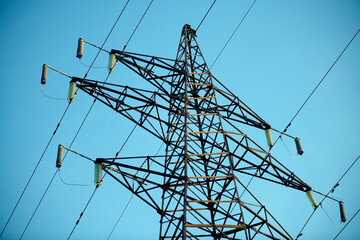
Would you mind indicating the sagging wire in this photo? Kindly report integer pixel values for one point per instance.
(75, 184)
(89, 65)
(82, 213)
(347, 224)
(288, 149)
(52, 179)
(327, 196)
(54, 98)
(36, 166)
(337, 225)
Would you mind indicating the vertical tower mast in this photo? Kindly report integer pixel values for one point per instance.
(206, 203)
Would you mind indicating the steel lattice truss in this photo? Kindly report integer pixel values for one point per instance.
(195, 185)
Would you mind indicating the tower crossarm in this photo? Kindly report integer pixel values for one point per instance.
(233, 109)
(249, 158)
(147, 109)
(144, 176)
(144, 168)
(146, 181)
(155, 70)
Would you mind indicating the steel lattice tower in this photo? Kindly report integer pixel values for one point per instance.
(196, 185)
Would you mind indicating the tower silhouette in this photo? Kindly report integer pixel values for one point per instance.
(195, 186)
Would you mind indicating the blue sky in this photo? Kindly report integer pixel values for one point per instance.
(275, 59)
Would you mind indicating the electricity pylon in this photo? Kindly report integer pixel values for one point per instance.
(196, 185)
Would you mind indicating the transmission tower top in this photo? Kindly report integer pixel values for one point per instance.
(196, 184)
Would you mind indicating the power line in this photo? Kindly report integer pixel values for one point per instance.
(130, 132)
(74, 184)
(112, 28)
(286, 128)
(54, 98)
(336, 225)
(7, 222)
(62, 119)
(233, 34)
(287, 148)
(346, 224)
(89, 65)
(348, 170)
(300, 233)
(42, 155)
(57, 170)
(322, 79)
(331, 190)
(87, 204)
(47, 188)
(72, 142)
(82, 213)
(205, 15)
(123, 211)
(57, 128)
(138, 24)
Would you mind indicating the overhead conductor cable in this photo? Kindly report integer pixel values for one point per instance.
(77, 222)
(55, 132)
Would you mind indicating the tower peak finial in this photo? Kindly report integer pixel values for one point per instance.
(187, 27)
